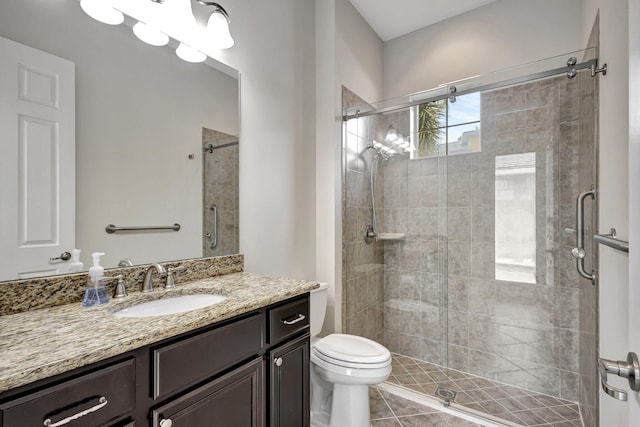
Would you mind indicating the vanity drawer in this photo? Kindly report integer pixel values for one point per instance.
(192, 360)
(96, 399)
(288, 319)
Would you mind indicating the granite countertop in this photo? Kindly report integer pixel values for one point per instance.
(42, 343)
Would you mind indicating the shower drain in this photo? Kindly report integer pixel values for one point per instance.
(445, 393)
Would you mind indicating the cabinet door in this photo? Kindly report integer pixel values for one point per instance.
(234, 400)
(289, 384)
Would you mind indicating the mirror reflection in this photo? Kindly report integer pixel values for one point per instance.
(99, 128)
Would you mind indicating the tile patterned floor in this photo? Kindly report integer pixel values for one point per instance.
(506, 402)
(389, 410)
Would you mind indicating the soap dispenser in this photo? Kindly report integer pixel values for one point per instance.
(76, 265)
(96, 292)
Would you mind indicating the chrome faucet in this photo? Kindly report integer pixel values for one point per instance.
(147, 283)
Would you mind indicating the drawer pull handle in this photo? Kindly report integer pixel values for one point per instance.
(101, 404)
(294, 319)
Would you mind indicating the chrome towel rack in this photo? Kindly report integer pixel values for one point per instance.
(612, 241)
(113, 229)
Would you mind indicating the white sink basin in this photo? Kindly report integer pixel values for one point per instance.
(163, 307)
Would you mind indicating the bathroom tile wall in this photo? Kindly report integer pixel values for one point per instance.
(440, 284)
(363, 264)
(220, 183)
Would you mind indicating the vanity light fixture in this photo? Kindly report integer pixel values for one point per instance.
(102, 11)
(150, 34)
(217, 32)
(162, 20)
(189, 54)
(392, 135)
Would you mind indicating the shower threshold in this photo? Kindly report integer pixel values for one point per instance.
(487, 402)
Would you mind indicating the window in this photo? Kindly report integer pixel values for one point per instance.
(447, 127)
(515, 218)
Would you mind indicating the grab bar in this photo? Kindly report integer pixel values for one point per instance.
(113, 229)
(214, 243)
(578, 252)
(612, 241)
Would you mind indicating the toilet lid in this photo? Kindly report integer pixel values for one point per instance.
(352, 348)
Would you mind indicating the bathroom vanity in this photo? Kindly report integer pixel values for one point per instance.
(246, 360)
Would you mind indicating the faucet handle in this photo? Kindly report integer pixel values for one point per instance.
(171, 282)
(121, 290)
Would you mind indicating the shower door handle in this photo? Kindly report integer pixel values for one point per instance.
(629, 369)
(578, 252)
(214, 237)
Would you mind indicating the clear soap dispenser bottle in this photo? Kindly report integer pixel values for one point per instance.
(96, 292)
(76, 265)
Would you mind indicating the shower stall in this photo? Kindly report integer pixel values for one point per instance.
(220, 212)
(459, 220)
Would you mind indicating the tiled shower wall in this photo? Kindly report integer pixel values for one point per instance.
(441, 301)
(363, 264)
(220, 183)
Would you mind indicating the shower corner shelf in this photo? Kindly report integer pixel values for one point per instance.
(390, 236)
(612, 241)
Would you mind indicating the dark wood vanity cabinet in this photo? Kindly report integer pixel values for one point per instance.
(105, 396)
(233, 400)
(288, 361)
(289, 384)
(249, 371)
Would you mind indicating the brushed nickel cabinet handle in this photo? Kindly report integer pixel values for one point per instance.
(101, 404)
(294, 319)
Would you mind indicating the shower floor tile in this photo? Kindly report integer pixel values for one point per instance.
(389, 410)
(503, 401)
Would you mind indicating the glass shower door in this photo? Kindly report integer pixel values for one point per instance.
(513, 294)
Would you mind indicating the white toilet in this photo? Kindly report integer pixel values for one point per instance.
(342, 369)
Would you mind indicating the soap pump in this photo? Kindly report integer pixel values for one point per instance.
(96, 292)
(76, 265)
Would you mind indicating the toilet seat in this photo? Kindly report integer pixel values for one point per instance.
(351, 351)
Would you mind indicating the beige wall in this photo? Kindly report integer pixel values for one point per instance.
(500, 35)
(613, 188)
(350, 54)
(275, 53)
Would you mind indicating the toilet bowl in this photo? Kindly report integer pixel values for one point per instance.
(343, 367)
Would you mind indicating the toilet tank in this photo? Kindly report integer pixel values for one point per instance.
(318, 308)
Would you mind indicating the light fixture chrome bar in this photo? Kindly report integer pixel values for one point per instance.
(113, 229)
(480, 88)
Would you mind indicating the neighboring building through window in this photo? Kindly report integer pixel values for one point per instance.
(515, 218)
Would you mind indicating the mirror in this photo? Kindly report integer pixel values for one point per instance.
(144, 120)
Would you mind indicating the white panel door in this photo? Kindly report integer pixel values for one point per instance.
(37, 165)
(634, 198)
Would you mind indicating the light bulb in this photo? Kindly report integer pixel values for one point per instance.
(150, 35)
(218, 31)
(189, 54)
(392, 135)
(100, 10)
